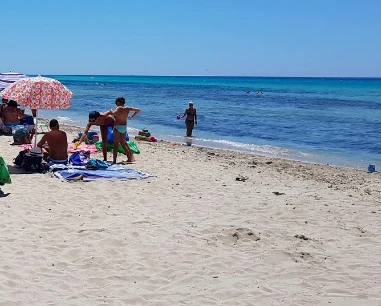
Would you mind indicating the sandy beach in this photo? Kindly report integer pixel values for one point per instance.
(195, 233)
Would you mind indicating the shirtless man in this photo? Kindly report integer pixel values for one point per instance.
(121, 115)
(104, 121)
(11, 114)
(57, 144)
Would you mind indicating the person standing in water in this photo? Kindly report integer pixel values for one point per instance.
(191, 118)
(121, 116)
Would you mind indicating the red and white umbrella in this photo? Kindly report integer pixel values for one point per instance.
(39, 92)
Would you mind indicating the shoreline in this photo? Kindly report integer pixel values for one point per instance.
(335, 172)
(203, 143)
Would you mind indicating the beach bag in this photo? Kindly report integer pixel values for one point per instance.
(79, 158)
(29, 120)
(95, 164)
(20, 158)
(110, 135)
(21, 135)
(32, 161)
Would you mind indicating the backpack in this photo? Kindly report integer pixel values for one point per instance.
(20, 158)
(79, 158)
(32, 163)
(21, 135)
(30, 160)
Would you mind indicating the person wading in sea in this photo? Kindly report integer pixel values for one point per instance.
(191, 118)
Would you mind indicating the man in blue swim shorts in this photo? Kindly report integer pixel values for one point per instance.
(121, 115)
(56, 151)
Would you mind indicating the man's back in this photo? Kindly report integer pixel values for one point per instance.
(57, 141)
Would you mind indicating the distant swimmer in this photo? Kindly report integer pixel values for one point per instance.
(259, 92)
(248, 91)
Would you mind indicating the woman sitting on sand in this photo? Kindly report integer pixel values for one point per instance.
(104, 122)
(11, 116)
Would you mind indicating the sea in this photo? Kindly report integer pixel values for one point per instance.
(335, 121)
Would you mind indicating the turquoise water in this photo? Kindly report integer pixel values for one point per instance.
(325, 120)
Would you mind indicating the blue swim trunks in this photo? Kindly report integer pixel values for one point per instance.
(10, 124)
(121, 128)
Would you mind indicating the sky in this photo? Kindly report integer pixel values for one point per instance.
(192, 37)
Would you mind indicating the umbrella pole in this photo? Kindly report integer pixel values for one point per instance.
(36, 129)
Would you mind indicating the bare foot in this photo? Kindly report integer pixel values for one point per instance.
(131, 159)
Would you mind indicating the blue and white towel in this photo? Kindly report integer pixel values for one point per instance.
(114, 172)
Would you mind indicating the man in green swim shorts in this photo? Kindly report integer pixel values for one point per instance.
(121, 115)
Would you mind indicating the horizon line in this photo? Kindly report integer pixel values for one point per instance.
(221, 76)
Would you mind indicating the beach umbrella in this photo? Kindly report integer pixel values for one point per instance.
(39, 93)
(8, 78)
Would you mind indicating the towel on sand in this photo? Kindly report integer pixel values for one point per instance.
(114, 172)
(70, 147)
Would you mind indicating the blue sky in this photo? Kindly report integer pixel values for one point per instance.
(192, 37)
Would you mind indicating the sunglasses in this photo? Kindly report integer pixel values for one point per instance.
(92, 120)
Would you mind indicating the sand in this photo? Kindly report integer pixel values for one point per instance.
(195, 233)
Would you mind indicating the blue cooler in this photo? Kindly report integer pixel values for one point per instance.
(371, 168)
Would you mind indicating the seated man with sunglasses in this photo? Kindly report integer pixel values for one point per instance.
(104, 122)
